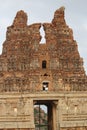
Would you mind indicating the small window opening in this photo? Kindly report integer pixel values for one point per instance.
(45, 86)
(42, 33)
(44, 64)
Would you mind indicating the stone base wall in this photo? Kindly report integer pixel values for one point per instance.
(18, 128)
(74, 128)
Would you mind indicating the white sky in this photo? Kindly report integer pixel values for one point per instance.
(43, 11)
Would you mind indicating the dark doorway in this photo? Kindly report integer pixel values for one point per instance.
(44, 115)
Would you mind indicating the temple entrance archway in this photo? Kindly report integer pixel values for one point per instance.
(45, 115)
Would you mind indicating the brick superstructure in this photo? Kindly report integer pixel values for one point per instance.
(23, 55)
(50, 72)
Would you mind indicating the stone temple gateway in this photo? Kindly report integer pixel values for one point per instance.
(33, 74)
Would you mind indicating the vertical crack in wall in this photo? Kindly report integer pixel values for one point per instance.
(42, 33)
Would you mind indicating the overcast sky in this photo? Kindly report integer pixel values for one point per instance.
(43, 11)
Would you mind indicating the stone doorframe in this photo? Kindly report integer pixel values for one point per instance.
(52, 113)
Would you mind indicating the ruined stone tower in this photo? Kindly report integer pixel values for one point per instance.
(49, 74)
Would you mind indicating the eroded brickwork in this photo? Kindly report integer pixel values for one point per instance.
(22, 57)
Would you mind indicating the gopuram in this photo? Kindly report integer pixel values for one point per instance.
(43, 86)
